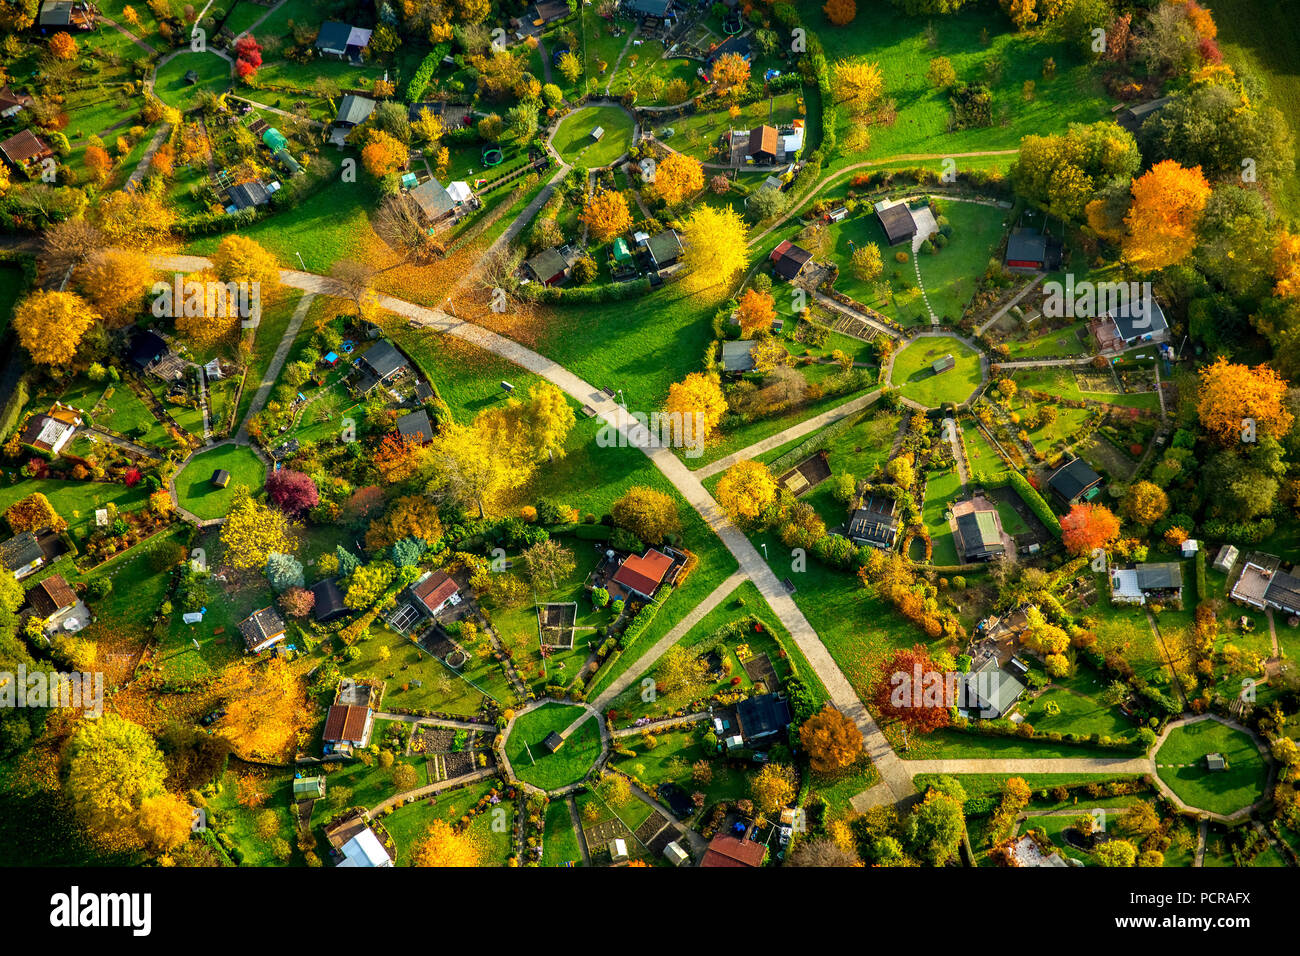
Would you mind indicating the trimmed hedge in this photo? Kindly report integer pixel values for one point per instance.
(419, 81)
(1029, 494)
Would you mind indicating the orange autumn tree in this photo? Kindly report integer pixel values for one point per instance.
(398, 459)
(755, 310)
(443, 846)
(678, 178)
(115, 281)
(98, 162)
(1285, 261)
(204, 319)
(833, 741)
(1237, 402)
(383, 154)
(840, 12)
(62, 46)
(606, 214)
(1088, 527)
(32, 514)
(730, 73)
(411, 516)
(240, 259)
(1161, 223)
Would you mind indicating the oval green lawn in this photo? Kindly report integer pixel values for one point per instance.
(529, 758)
(195, 490)
(573, 140)
(1180, 762)
(914, 377)
(170, 85)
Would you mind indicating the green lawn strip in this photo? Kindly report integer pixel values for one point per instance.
(559, 840)
(1061, 382)
(270, 330)
(840, 789)
(174, 90)
(76, 501)
(951, 274)
(1180, 762)
(671, 760)
(530, 759)
(912, 372)
(240, 823)
(1080, 712)
(406, 824)
(940, 489)
(194, 487)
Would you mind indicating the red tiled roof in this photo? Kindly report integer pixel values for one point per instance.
(434, 590)
(644, 574)
(23, 146)
(52, 595)
(345, 722)
(729, 851)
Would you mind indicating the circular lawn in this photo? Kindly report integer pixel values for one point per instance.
(1181, 764)
(533, 762)
(575, 144)
(173, 89)
(914, 375)
(195, 490)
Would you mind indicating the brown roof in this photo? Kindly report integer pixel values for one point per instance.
(51, 596)
(24, 146)
(345, 722)
(434, 590)
(8, 98)
(728, 851)
(762, 140)
(643, 574)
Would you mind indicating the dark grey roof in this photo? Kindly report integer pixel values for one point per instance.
(790, 261)
(547, 264)
(329, 600)
(651, 8)
(1132, 320)
(991, 689)
(333, 36)
(897, 222)
(20, 551)
(1072, 479)
(355, 109)
(146, 348)
(432, 198)
(415, 424)
(738, 356)
(1284, 592)
(1026, 245)
(1160, 576)
(260, 625)
(876, 522)
(384, 359)
(1131, 118)
(247, 195)
(55, 13)
(762, 716)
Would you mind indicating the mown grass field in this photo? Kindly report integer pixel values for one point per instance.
(194, 487)
(1180, 762)
(574, 142)
(913, 375)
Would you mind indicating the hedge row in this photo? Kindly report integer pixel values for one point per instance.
(420, 78)
(608, 292)
(1029, 494)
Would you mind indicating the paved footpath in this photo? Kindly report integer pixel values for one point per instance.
(647, 660)
(805, 427)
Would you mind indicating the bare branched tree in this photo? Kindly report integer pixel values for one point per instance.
(67, 245)
(400, 225)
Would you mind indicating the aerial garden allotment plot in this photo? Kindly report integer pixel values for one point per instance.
(567, 423)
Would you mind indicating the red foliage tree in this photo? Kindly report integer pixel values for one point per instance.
(1088, 527)
(291, 491)
(248, 56)
(899, 695)
(132, 477)
(297, 602)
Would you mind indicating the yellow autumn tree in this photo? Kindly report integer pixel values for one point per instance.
(240, 259)
(253, 531)
(51, 324)
(713, 250)
(443, 846)
(606, 214)
(163, 822)
(207, 315)
(774, 787)
(678, 178)
(266, 709)
(1235, 401)
(136, 219)
(857, 84)
(116, 281)
(1145, 503)
(745, 490)
(731, 73)
(1161, 223)
(698, 404)
(113, 766)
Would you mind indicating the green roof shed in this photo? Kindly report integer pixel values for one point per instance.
(274, 139)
